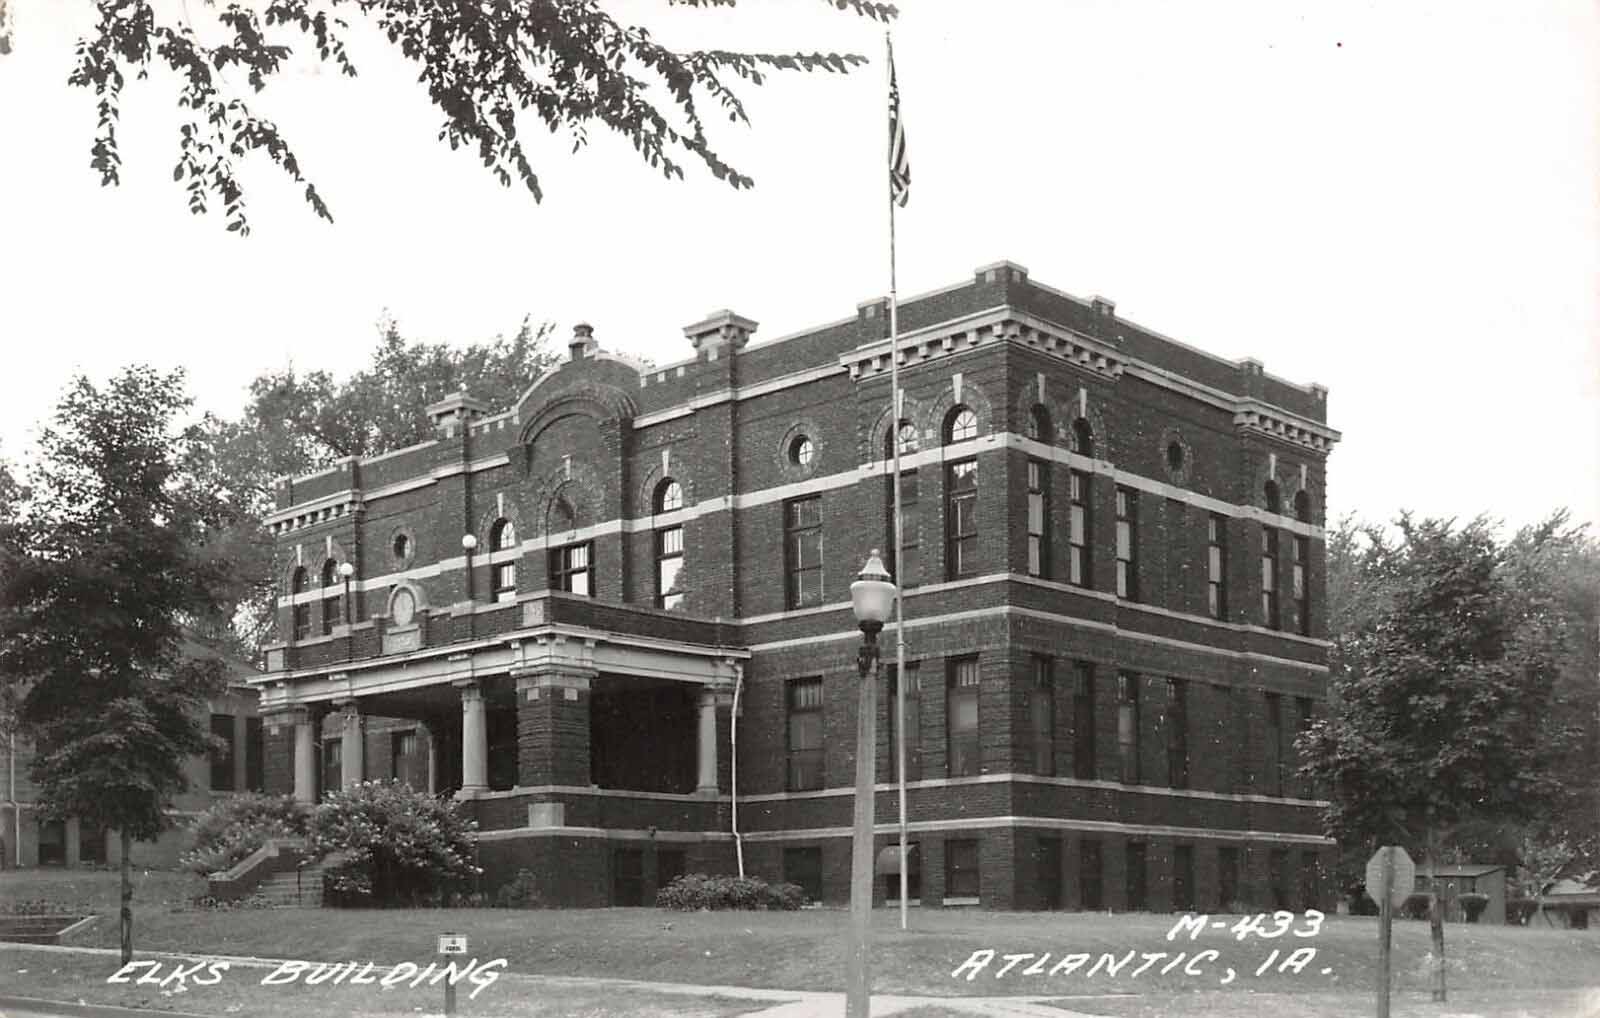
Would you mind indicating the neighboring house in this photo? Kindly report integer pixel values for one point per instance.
(29, 842)
(1452, 882)
(1572, 902)
(1113, 571)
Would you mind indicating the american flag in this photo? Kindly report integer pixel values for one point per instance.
(899, 167)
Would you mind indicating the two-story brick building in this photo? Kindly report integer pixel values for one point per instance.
(1113, 580)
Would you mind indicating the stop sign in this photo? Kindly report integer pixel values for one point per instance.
(1405, 876)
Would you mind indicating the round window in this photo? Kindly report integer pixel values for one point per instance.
(801, 451)
(402, 546)
(403, 607)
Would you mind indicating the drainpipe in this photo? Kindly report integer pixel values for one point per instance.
(11, 796)
(733, 783)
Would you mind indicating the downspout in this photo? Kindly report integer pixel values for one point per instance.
(733, 750)
(11, 795)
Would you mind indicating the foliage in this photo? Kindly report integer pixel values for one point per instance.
(296, 423)
(395, 845)
(1472, 905)
(492, 69)
(522, 891)
(99, 575)
(693, 892)
(234, 827)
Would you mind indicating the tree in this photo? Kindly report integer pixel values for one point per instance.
(296, 423)
(490, 67)
(98, 578)
(1440, 719)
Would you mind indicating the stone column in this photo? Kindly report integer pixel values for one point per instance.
(474, 739)
(352, 766)
(707, 783)
(432, 738)
(305, 758)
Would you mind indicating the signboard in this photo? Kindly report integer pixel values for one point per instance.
(1405, 876)
(452, 943)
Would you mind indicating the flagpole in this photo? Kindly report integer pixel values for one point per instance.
(899, 537)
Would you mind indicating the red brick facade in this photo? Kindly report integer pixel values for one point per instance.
(590, 731)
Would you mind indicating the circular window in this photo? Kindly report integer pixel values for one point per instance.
(1174, 456)
(403, 607)
(801, 451)
(402, 545)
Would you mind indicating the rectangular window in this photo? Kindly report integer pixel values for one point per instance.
(1128, 726)
(1216, 574)
(913, 724)
(1177, 733)
(1303, 719)
(909, 574)
(1229, 769)
(1228, 879)
(1310, 880)
(627, 877)
(52, 843)
(572, 568)
(1135, 856)
(1042, 713)
(1127, 544)
(330, 614)
(669, 562)
(255, 747)
(1090, 876)
(332, 758)
(1269, 577)
(302, 621)
(1083, 721)
(1274, 744)
(961, 518)
(1278, 878)
(961, 868)
(802, 542)
(805, 735)
(1183, 878)
(961, 715)
(1302, 597)
(1038, 512)
(222, 759)
(803, 866)
(91, 844)
(1078, 573)
(503, 580)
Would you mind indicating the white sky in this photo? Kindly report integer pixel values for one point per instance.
(1398, 200)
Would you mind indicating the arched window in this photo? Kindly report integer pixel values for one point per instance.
(561, 518)
(669, 496)
(669, 547)
(905, 565)
(1082, 437)
(907, 433)
(301, 612)
(1039, 424)
(1269, 561)
(1302, 506)
(1299, 588)
(330, 596)
(1274, 502)
(503, 574)
(571, 565)
(961, 425)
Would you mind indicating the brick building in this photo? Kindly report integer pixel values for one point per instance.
(1114, 569)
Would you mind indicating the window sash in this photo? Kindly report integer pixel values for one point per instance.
(961, 869)
(1177, 734)
(803, 549)
(505, 581)
(1083, 722)
(572, 568)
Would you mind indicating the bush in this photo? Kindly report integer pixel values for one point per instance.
(1473, 904)
(520, 892)
(696, 891)
(396, 845)
(1416, 906)
(235, 827)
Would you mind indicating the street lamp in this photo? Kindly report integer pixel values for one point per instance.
(468, 542)
(871, 599)
(347, 570)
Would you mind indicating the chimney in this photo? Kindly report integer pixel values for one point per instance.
(720, 329)
(1103, 306)
(582, 344)
(455, 411)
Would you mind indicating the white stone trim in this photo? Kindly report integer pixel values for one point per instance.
(1015, 776)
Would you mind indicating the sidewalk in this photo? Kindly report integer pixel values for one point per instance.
(785, 1003)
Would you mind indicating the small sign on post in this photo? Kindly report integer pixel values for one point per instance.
(451, 943)
(1391, 877)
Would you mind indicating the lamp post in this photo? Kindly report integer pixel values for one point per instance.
(347, 569)
(468, 542)
(871, 599)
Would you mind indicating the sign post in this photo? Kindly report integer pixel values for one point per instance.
(1391, 877)
(451, 943)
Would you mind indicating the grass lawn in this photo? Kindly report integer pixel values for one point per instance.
(805, 950)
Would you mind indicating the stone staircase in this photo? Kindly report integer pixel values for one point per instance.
(37, 929)
(297, 888)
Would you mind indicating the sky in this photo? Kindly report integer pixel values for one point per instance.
(1397, 200)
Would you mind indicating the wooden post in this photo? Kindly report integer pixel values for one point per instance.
(1385, 925)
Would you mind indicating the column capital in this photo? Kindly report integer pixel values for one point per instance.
(717, 695)
(470, 689)
(530, 681)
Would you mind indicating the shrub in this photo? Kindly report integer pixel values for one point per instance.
(396, 845)
(1416, 906)
(238, 825)
(521, 892)
(1473, 904)
(695, 891)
